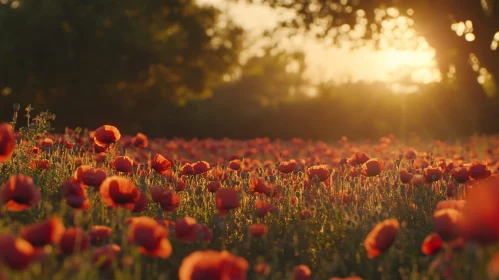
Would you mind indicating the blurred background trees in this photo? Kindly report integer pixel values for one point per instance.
(174, 68)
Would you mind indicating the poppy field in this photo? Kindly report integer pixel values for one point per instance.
(95, 204)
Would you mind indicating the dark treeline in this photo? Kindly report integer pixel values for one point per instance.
(355, 110)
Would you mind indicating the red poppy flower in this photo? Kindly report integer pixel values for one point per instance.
(226, 199)
(106, 135)
(73, 240)
(187, 170)
(187, 230)
(460, 174)
(431, 244)
(263, 208)
(19, 193)
(209, 264)
(16, 253)
(7, 142)
(260, 186)
(358, 158)
(381, 237)
(140, 140)
(169, 201)
(306, 214)
(200, 167)
(47, 232)
(479, 171)
(151, 238)
(90, 176)
(405, 176)
(258, 230)
(301, 272)
(161, 164)
(235, 164)
(481, 213)
(39, 164)
(123, 164)
(447, 222)
(319, 171)
(213, 186)
(118, 191)
(432, 174)
(287, 166)
(372, 167)
(47, 142)
(98, 234)
(104, 256)
(141, 203)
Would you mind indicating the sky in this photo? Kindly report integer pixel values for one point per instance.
(329, 63)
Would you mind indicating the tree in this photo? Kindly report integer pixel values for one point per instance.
(112, 57)
(375, 21)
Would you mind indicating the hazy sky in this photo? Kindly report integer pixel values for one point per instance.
(326, 62)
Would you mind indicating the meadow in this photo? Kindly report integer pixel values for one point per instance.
(95, 204)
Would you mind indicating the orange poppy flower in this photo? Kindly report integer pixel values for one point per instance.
(226, 199)
(493, 267)
(90, 176)
(104, 256)
(106, 135)
(210, 264)
(161, 164)
(258, 230)
(140, 140)
(47, 232)
(263, 208)
(151, 238)
(187, 229)
(118, 191)
(431, 244)
(7, 142)
(123, 164)
(98, 234)
(372, 167)
(235, 164)
(481, 213)
(301, 272)
(16, 253)
(287, 166)
(447, 222)
(262, 269)
(73, 240)
(381, 237)
(320, 171)
(454, 204)
(19, 193)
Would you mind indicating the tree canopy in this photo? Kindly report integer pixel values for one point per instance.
(463, 32)
(96, 55)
